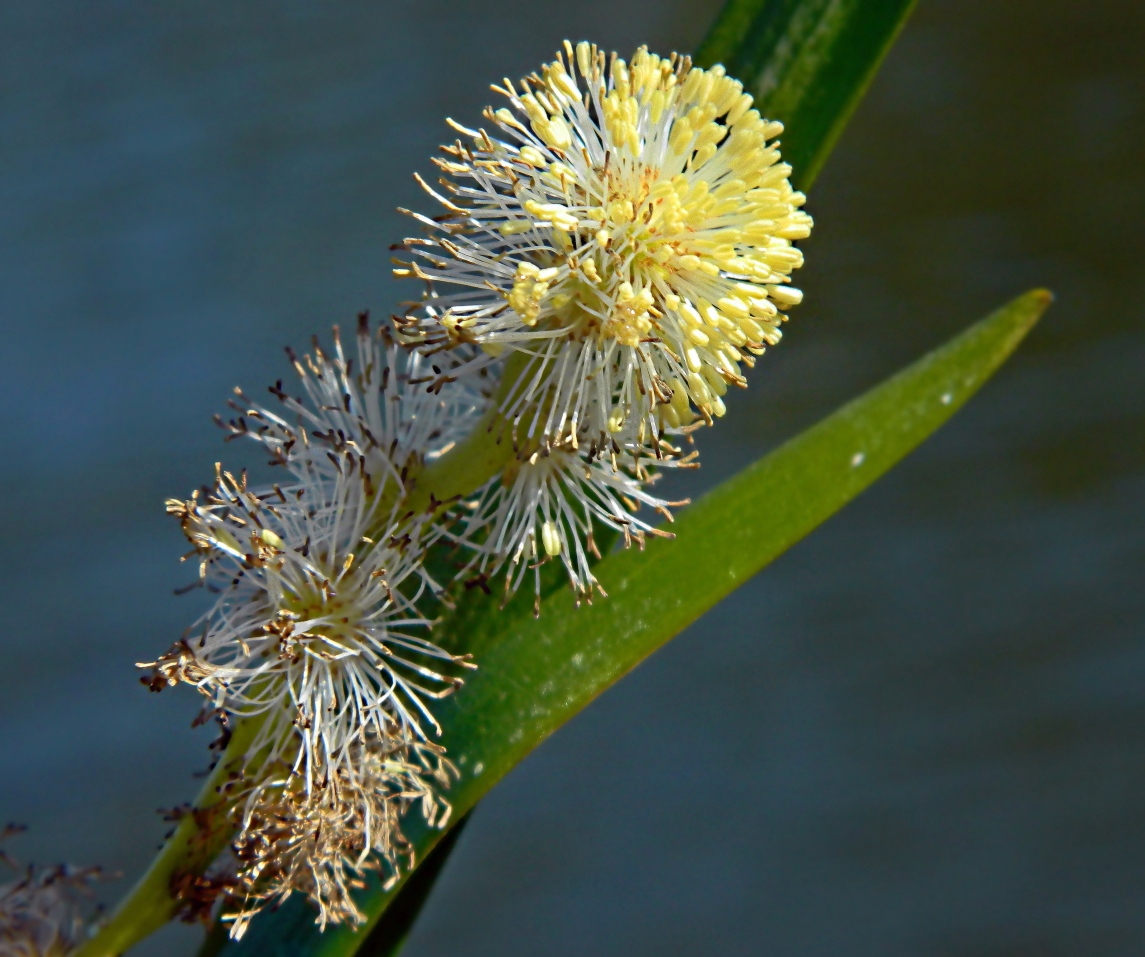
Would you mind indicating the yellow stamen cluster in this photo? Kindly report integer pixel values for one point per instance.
(530, 286)
(640, 212)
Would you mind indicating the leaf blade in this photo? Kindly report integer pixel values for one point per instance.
(807, 63)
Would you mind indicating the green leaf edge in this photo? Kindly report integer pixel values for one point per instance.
(808, 63)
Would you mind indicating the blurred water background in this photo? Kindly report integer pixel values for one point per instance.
(921, 732)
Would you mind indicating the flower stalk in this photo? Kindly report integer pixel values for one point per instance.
(604, 271)
(199, 836)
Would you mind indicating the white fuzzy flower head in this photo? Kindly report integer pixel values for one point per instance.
(386, 407)
(628, 226)
(543, 508)
(40, 913)
(316, 623)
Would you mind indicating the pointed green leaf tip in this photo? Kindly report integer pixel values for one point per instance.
(541, 673)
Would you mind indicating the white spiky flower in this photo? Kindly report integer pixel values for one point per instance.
(629, 228)
(544, 506)
(388, 407)
(40, 912)
(316, 623)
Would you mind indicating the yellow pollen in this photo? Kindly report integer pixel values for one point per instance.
(645, 205)
(550, 539)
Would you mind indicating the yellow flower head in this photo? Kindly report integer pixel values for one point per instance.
(630, 229)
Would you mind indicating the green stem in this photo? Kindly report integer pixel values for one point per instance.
(465, 468)
(484, 452)
(195, 842)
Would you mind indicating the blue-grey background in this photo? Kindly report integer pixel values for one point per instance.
(918, 733)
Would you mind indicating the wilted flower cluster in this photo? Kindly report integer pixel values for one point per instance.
(612, 253)
(323, 844)
(40, 911)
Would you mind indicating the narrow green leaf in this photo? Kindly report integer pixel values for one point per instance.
(806, 62)
(543, 672)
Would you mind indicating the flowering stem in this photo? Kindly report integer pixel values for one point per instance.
(199, 836)
(465, 468)
(195, 842)
(473, 461)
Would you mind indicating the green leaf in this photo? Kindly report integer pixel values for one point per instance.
(806, 62)
(541, 673)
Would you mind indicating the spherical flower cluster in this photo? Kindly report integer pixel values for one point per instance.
(316, 625)
(630, 230)
(319, 578)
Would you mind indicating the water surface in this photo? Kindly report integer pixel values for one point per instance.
(918, 733)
